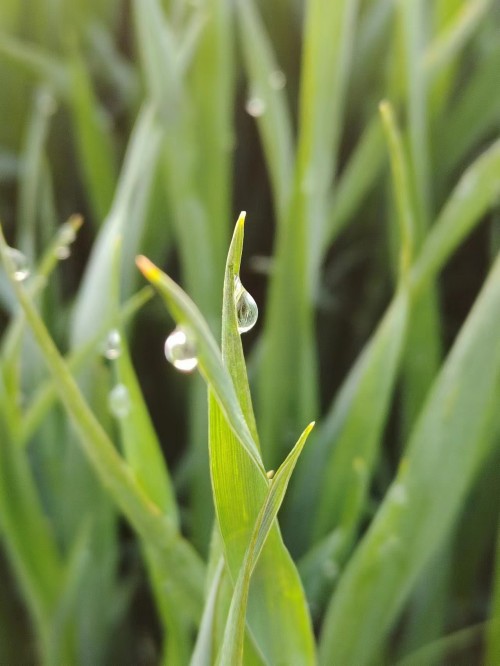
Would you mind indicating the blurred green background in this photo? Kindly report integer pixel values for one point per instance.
(158, 121)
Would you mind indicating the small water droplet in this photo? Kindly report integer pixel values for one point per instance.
(20, 264)
(270, 474)
(119, 401)
(277, 79)
(246, 307)
(398, 494)
(180, 350)
(112, 345)
(62, 252)
(255, 107)
(330, 569)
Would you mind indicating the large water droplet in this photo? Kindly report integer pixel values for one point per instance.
(20, 265)
(246, 307)
(180, 350)
(112, 347)
(277, 79)
(119, 401)
(255, 106)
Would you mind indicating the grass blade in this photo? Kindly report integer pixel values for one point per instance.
(232, 647)
(445, 451)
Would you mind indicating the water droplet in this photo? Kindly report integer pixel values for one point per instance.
(119, 401)
(398, 494)
(112, 345)
(246, 307)
(20, 264)
(277, 79)
(255, 106)
(62, 252)
(330, 569)
(270, 474)
(180, 350)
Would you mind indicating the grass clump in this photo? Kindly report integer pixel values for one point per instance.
(138, 525)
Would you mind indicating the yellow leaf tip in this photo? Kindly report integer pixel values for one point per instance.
(147, 268)
(242, 218)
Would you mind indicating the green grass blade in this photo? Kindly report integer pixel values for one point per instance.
(232, 647)
(46, 394)
(351, 432)
(176, 559)
(203, 651)
(288, 347)
(447, 446)
(126, 219)
(92, 138)
(185, 312)
(281, 628)
(141, 447)
(37, 62)
(475, 192)
(402, 187)
(493, 633)
(275, 124)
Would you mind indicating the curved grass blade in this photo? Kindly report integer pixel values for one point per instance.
(46, 395)
(203, 651)
(446, 449)
(232, 646)
(176, 560)
(184, 311)
(126, 219)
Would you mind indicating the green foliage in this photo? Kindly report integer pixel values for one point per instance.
(372, 144)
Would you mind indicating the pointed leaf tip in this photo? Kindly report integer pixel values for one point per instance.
(147, 268)
(242, 217)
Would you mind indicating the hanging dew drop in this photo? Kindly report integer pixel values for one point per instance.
(277, 79)
(113, 345)
(180, 350)
(246, 307)
(119, 401)
(62, 252)
(255, 107)
(20, 266)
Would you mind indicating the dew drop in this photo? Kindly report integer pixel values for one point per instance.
(62, 252)
(246, 307)
(119, 401)
(277, 79)
(112, 345)
(20, 266)
(180, 350)
(255, 107)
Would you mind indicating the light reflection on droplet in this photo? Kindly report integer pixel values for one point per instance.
(113, 345)
(255, 107)
(180, 350)
(119, 401)
(20, 265)
(277, 79)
